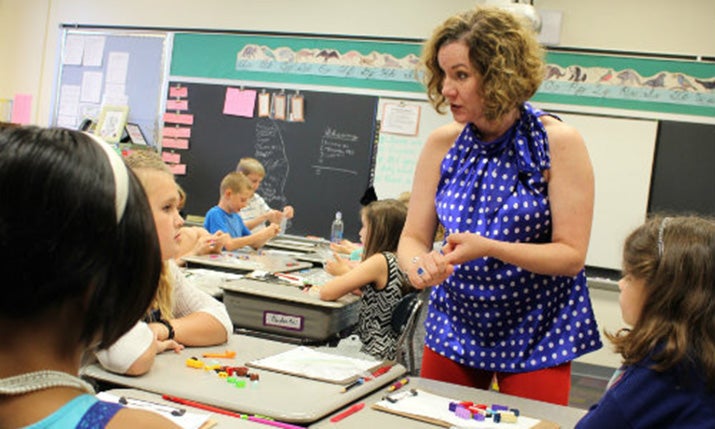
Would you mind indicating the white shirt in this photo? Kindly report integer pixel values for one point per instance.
(187, 299)
(255, 207)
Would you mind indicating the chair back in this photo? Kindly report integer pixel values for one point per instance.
(404, 319)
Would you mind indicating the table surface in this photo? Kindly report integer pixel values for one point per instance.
(281, 396)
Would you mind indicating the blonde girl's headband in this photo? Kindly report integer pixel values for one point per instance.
(121, 177)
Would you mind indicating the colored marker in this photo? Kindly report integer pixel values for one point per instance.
(355, 383)
(350, 411)
(398, 384)
(378, 372)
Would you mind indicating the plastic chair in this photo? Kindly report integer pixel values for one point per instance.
(404, 320)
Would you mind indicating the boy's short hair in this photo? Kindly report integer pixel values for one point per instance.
(251, 166)
(146, 159)
(236, 182)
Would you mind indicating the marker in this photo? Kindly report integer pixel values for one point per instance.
(355, 383)
(350, 411)
(398, 384)
(378, 372)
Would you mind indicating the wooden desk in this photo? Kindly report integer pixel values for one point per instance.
(565, 417)
(280, 396)
(287, 310)
(242, 261)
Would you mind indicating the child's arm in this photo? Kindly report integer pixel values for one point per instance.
(255, 240)
(273, 216)
(337, 266)
(371, 270)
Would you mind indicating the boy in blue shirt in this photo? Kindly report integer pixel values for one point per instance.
(236, 190)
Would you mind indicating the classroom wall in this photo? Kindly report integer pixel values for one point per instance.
(29, 29)
(29, 40)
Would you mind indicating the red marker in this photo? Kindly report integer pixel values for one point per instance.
(378, 372)
(396, 385)
(352, 410)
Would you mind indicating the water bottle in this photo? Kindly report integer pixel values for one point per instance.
(336, 229)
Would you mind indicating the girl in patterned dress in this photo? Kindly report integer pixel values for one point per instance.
(514, 190)
(378, 277)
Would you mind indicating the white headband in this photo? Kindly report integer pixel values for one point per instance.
(121, 178)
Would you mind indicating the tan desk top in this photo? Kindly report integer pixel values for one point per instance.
(283, 397)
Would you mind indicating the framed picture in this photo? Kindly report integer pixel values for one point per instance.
(112, 120)
(135, 134)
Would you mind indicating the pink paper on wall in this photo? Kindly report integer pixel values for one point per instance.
(21, 109)
(171, 158)
(177, 104)
(175, 118)
(175, 143)
(178, 91)
(179, 132)
(239, 102)
(178, 169)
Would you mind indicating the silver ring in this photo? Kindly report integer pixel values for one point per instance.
(420, 271)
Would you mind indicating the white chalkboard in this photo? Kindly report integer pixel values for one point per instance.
(622, 153)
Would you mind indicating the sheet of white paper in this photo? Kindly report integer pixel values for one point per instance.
(188, 420)
(117, 65)
(91, 86)
(69, 100)
(425, 404)
(93, 50)
(309, 363)
(74, 48)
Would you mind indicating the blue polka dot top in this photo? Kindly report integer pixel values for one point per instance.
(489, 314)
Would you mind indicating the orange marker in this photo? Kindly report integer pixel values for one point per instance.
(228, 354)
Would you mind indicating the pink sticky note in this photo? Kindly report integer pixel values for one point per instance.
(178, 91)
(21, 109)
(178, 169)
(175, 143)
(178, 132)
(175, 118)
(177, 104)
(171, 158)
(239, 102)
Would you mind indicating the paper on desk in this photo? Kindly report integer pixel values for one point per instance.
(188, 420)
(435, 409)
(309, 363)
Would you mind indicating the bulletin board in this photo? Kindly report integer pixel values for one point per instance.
(109, 67)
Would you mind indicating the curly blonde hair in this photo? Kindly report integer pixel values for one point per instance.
(503, 50)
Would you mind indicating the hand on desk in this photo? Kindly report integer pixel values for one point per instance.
(337, 266)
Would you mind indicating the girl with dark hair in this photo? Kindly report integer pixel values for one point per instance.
(668, 297)
(377, 277)
(77, 242)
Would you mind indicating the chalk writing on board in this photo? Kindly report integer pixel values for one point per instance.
(271, 152)
(336, 149)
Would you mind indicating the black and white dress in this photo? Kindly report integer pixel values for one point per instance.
(374, 324)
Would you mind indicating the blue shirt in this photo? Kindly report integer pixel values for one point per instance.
(231, 223)
(84, 411)
(489, 314)
(643, 398)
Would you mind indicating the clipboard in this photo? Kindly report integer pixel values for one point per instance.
(309, 363)
(434, 409)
